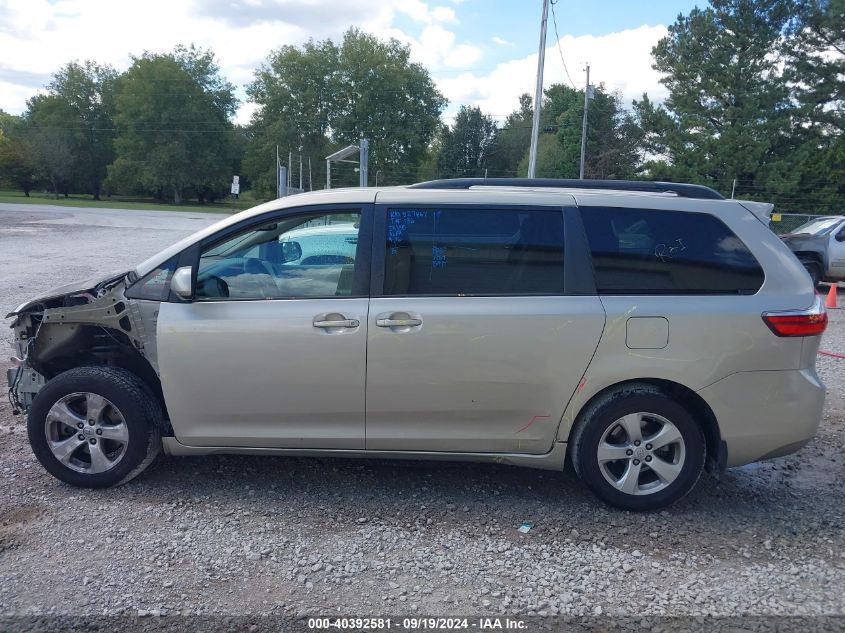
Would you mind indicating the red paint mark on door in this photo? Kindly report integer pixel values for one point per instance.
(531, 421)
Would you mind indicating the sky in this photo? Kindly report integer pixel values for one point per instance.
(479, 52)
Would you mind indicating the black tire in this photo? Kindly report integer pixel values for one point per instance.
(604, 413)
(814, 270)
(135, 402)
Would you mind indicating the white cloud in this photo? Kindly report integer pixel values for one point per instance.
(420, 11)
(501, 41)
(37, 37)
(621, 61)
(444, 14)
(415, 9)
(437, 47)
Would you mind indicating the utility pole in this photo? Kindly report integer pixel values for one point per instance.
(538, 93)
(584, 124)
(363, 161)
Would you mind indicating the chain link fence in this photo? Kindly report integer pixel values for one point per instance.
(787, 222)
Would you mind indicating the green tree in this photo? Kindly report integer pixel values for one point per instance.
(17, 161)
(512, 141)
(388, 99)
(466, 145)
(175, 136)
(810, 177)
(295, 95)
(613, 136)
(322, 96)
(87, 91)
(816, 65)
(728, 114)
(51, 141)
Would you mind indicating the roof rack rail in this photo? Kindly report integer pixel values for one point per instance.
(645, 186)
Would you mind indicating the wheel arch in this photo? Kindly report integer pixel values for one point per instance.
(79, 345)
(817, 257)
(697, 407)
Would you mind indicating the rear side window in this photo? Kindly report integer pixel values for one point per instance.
(464, 252)
(644, 251)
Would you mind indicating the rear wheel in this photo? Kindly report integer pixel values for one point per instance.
(637, 448)
(95, 426)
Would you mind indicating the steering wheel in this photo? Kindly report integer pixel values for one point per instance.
(255, 266)
(212, 286)
(263, 277)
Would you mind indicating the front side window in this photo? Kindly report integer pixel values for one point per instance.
(154, 286)
(646, 251)
(305, 256)
(465, 252)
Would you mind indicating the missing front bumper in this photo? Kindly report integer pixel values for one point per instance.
(24, 383)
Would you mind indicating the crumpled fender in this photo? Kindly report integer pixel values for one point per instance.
(80, 287)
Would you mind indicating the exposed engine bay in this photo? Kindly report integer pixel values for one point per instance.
(93, 323)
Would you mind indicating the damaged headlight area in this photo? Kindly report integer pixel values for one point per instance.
(92, 323)
(24, 382)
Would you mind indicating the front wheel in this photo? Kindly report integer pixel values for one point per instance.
(637, 448)
(95, 427)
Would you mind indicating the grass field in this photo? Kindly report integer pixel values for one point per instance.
(122, 202)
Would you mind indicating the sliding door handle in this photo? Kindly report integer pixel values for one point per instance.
(409, 322)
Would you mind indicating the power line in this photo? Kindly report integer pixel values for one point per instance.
(557, 36)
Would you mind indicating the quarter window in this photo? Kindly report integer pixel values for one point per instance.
(306, 256)
(644, 251)
(468, 252)
(155, 286)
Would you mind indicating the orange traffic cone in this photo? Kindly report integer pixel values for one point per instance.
(830, 302)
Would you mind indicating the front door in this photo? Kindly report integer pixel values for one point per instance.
(271, 352)
(837, 252)
(474, 343)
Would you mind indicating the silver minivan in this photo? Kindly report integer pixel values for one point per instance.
(641, 330)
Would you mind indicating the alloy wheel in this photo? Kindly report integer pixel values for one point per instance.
(641, 453)
(86, 432)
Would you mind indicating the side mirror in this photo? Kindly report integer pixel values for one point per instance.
(291, 251)
(181, 282)
(840, 237)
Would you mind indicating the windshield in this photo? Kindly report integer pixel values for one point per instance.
(819, 226)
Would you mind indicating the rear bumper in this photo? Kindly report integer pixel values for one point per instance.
(764, 414)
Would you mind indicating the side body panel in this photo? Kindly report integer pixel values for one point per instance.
(481, 374)
(269, 372)
(711, 337)
(258, 373)
(766, 414)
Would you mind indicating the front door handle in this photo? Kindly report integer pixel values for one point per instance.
(335, 321)
(398, 322)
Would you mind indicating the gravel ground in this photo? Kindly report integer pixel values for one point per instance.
(244, 535)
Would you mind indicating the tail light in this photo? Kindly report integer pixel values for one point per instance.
(810, 322)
